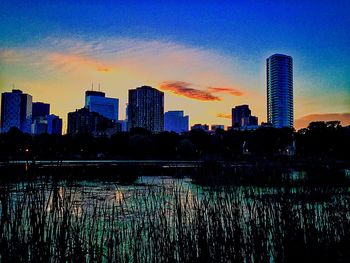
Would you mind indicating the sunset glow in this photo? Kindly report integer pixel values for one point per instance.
(205, 75)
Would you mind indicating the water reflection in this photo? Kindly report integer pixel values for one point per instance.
(119, 196)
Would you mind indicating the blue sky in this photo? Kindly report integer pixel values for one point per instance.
(240, 33)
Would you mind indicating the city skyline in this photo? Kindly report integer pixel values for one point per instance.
(206, 57)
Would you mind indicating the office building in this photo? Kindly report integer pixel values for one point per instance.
(39, 121)
(146, 109)
(96, 101)
(239, 113)
(40, 109)
(16, 111)
(176, 121)
(203, 127)
(39, 125)
(215, 127)
(54, 124)
(85, 121)
(50, 124)
(279, 80)
(249, 121)
(242, 118)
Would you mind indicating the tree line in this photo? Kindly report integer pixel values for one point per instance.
(322, 140)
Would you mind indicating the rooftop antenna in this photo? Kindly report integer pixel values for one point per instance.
(99, 87)
(92, 86)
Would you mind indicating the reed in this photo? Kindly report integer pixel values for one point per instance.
(60, 222)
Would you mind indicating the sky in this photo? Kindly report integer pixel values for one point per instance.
(206, 56)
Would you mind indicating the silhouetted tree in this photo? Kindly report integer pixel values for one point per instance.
(325, 140)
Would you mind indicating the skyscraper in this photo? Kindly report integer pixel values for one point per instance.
(242, 118)
(249, 121)
(96, 101)
(40, 109)
(238, 113)
(279, 80)
(54, 124)
(85, 121)
(175, 121)
(39, 125)
(146, 109)
(39, 122)
(16, 111)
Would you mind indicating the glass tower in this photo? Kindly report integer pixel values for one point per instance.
(40, 109)
(279, 80)
(96, 101)
(16, 111)
(175, 121)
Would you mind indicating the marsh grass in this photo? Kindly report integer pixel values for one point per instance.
(48, 222)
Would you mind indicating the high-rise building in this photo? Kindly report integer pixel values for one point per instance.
(96, 101)
(16, 111)
(40, 109)
(85, 121)
(242, 118)
(54, 124)
(146, 109)
(50, 124)
(175, 121)
(279, 80)
(249, 121)
(39, 122)
(238, 113)
(39, 125)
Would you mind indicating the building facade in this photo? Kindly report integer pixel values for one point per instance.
(279, 81)
(249, 121)
(146, 109)
(176, 121)
(39, 125)
(215, 127)
(16, 111)
(50, 124)
(242, 118)
(85, 121)
(54, 124)
(198, 126)
(96, 101)
(40, 109)
(238, 113)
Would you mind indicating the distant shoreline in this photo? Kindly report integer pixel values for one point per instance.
(178, 163)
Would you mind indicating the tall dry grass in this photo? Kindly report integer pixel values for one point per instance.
(45, 222)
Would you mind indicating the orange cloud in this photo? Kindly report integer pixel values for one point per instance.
(76, 61)
(303, 122)
(183, 89)
(224, 115)
(231, 91)
(103, 69)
